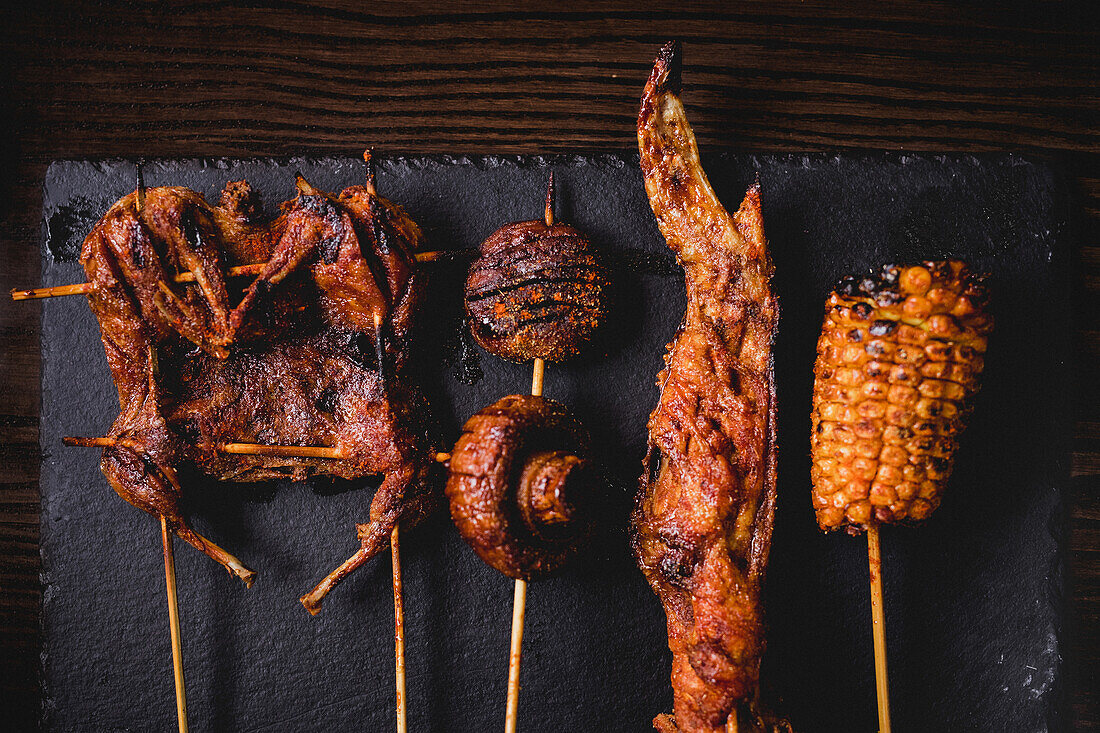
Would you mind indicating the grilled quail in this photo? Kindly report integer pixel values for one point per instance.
(294, 362)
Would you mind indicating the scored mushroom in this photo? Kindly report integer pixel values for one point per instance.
(536, 290)
(521, 486)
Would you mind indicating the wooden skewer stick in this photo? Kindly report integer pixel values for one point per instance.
(536, 377)
(399, 633)
(36, 293)
(184, 277)
(519, 608)
(878, 624)
(731, 722)
(395, 554)
(249, 449)
(550, 201)
(288, 451)
(174, 624)
(519, 599)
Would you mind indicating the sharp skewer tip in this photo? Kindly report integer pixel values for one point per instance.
(550, 201)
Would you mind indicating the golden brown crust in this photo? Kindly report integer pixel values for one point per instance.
(897, 363)
(294, 362)
(702, 527)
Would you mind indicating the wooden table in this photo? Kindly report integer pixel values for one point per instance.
(299, 78)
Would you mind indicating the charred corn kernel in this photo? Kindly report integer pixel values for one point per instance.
(866, 430)
(904, 374)
(892, 455)
(897, 363)
(920, 510)
(901, 395)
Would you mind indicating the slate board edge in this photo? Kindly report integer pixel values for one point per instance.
(1055, 699)
(1062, 424)
(1052, 166)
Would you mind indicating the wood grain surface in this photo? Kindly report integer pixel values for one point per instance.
(169, 79)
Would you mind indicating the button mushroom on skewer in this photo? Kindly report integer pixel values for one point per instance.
(536, 291)
(521, 485)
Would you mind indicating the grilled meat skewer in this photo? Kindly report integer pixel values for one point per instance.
(294, 362)
(536, 290)
(703, 523)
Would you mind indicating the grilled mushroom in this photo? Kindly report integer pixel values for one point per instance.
(521, 487)
(537, 290)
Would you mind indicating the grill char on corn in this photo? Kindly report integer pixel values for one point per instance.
(898, 362)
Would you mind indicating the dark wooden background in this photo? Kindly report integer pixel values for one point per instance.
(88, 80)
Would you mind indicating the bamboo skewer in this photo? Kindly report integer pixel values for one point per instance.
(395, 554)
(399, 633)
(174, 625)
(878, 627)
(184, 277)
(288, 451)
(536, 377)
(248, 449)
(519, 599)
(519, 608)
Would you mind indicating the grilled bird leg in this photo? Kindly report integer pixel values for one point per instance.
(703, 522)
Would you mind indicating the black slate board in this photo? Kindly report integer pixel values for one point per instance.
(974, 598)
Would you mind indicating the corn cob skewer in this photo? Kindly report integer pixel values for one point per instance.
(898, 362)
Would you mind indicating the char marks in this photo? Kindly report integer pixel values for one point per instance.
(702, 525)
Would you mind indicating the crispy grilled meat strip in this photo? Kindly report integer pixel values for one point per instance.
(294, 362)
(703, 523)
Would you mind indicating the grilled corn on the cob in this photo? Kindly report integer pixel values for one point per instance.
(897, 364)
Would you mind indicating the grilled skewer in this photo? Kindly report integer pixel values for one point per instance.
(153, 241)
(184, 277)
(702, 524)
(897, 366)
(536, 292)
